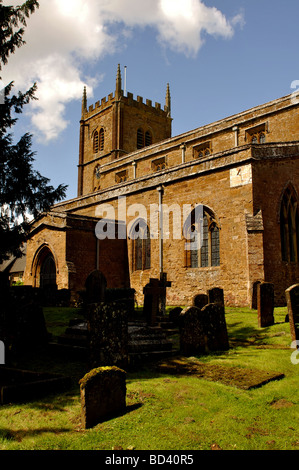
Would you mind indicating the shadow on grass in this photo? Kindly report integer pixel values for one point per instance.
(19, 434)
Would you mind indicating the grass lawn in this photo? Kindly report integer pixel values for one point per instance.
(168, 411)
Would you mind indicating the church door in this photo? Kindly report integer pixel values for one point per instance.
(48, 272)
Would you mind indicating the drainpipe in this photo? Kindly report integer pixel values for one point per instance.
(160, 190)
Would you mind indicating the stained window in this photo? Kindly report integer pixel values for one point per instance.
(203, 247)
(289, 226)
(141, 246)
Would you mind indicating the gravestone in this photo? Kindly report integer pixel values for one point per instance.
(265, 304)
(254, 295)
(292, 297)
(108, 334)
(191, 334)
(216, 296)
(95, 288)
(203, 331)
(174, 315)
(155, 298)
(200, 300)
(103, 395)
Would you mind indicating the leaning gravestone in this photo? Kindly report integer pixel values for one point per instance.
(103, 394)
(174, 315)
(265, 304)
(200, 300)
(108, 334)
(292, 296)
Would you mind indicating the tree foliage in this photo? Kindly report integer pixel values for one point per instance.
(23, 191)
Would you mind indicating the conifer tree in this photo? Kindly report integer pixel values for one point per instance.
(23, 191)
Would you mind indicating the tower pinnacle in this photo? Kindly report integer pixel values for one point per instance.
(118, 90)
(84, 102)
(168, 101)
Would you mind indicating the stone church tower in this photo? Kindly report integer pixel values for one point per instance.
(116, 127)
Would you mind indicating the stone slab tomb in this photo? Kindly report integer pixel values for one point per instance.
(103, 395)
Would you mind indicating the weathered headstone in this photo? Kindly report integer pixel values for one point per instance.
(214, 326)
(191, 334)
(265, 304)
(174, 315)
(216, 296)
(155, 298)
(108, 334)
(95, 288)
(203, 331)
(200, 300)
(254, 295)
(103, 394)
(292, 296)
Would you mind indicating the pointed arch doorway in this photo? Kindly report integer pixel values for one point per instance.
(48, 271)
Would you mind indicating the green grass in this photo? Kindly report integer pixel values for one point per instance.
(168, 412)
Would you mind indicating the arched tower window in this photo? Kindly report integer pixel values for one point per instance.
(289, 226)
(148, 138)
(140, 139)
(204, 240)
(141, 246)
(101, 139)
(96, 142)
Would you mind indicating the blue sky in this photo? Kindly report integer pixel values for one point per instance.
(219, 57)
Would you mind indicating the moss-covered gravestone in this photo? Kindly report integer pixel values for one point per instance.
(103, 395)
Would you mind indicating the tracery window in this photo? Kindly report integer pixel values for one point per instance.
(289, 226)
(257, 134)
(203, 240)
(141, 246)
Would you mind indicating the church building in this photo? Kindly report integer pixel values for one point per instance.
(216, 206)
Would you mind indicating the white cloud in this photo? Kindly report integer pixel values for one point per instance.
(64, 34)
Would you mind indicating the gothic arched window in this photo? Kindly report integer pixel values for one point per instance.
(148, 138)
(96, 142)
(140, 139)
(101, 139)
(141, 246)
(203, 247)
(289, 226)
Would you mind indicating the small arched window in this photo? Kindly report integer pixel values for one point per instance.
(289, 226)
(101, 139)
(140, 139)
(148, 138)
(141, 246)
(96, 142)
(203, 249)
